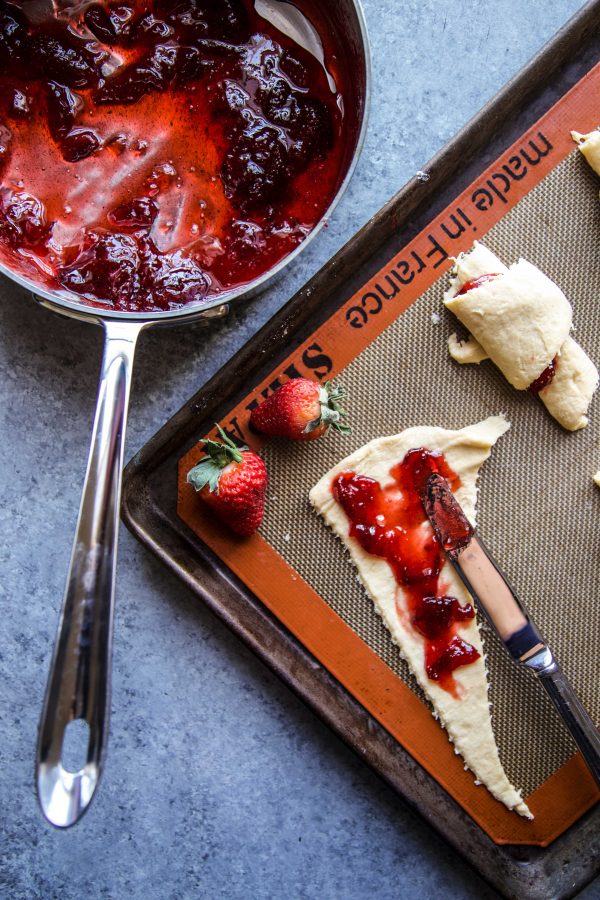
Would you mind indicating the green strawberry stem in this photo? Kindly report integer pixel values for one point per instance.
(218, 455)
(331, 413)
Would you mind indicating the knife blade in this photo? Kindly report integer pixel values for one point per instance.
(506, 613)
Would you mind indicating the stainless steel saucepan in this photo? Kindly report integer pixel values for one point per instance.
(79, 680)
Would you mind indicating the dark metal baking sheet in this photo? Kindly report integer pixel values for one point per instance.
(150, 485)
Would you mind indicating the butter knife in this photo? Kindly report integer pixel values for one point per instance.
(505, 612)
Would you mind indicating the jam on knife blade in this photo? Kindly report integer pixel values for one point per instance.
(451, 527)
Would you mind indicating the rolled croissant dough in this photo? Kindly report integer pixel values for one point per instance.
(589, 144)
(466, 718)
(521, 321)
(568, 395)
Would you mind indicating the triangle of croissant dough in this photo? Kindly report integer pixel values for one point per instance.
(466, 718)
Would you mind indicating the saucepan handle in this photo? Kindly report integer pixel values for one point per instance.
(79, 680)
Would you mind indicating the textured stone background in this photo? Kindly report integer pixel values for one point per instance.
(219, 782)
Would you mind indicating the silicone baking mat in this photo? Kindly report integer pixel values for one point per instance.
(538, 507)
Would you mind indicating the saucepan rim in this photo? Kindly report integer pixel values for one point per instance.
(78, 309)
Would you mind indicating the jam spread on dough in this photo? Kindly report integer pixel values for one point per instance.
(476, 282)
(157, 152)
(390, 522)
(544, 379)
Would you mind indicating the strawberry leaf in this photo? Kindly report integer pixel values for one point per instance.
(218, 455)
(206, 472)
(331, 411)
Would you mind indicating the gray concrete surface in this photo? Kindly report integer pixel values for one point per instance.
(219, 782)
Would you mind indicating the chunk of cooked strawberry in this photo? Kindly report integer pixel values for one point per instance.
(107, 267)
(64, 58)
(23, 219)
(255, 169)
(137, 213)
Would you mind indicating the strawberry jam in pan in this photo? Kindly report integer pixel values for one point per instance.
(158, 153)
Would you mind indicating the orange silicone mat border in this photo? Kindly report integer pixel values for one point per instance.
(570, 791)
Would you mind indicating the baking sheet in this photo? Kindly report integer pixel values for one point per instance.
(387, 344)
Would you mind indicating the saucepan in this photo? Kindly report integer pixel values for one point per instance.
(79, 679)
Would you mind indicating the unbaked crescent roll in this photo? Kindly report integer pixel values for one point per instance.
(521, 320)
(568, 395)
(589, 144)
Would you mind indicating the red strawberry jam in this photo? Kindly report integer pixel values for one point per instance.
(159, 152)
(390, 522)
(545, 378)
(475, 283)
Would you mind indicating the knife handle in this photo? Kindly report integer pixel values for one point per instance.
(577, 720)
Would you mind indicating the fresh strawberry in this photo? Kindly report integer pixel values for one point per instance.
(232, 481)
(301, 410)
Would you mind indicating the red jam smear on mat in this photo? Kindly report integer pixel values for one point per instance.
(390, 522)
(476, 282)
(545, 378)
(158, 152)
